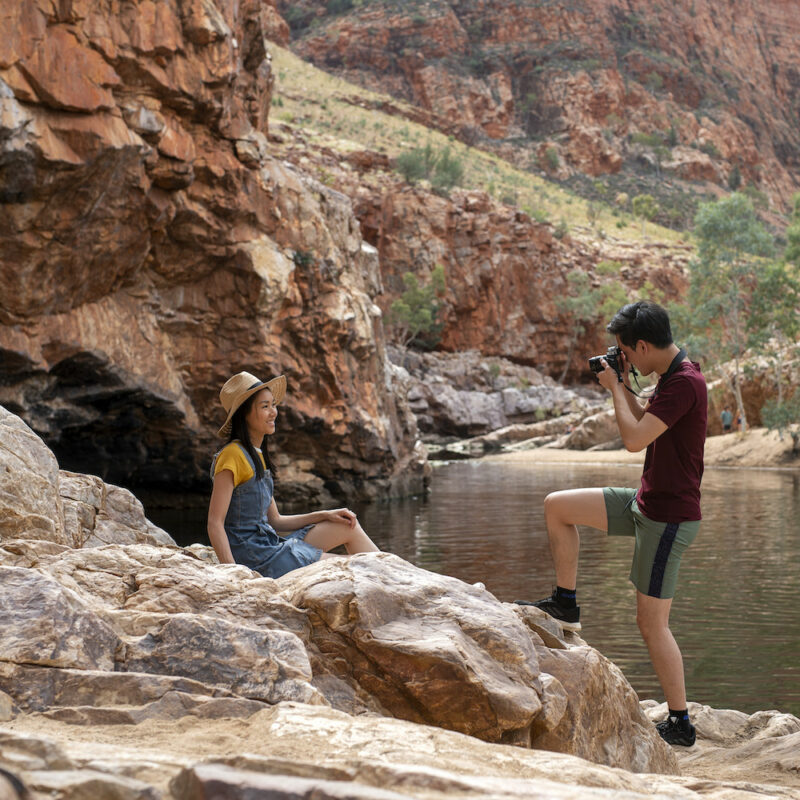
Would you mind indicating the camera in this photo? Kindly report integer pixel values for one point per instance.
(613, 357)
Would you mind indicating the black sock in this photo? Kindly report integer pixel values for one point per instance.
(680, 717)
(566, 597)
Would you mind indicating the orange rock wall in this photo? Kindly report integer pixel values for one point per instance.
(150, 246)
(586, 76)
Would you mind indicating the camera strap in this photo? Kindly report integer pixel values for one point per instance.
(676, 362)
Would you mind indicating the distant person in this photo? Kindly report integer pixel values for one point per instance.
(243, 518)
(727, 420)
(663, 515)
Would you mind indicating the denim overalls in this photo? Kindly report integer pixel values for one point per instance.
(252, 539)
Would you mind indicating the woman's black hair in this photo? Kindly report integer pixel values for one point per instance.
(240, 431)
(643, 320)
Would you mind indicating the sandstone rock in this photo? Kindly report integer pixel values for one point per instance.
(8, 708)
(620, 733)
(423, 656)
(598, 429)
(97, 513)
(84, 783)
(218, 781)
(36, 688)
(29, 500)
(262, 665)
(463, 394)
(736, 747)
(49, 625)
(503, 272)
(562, 76)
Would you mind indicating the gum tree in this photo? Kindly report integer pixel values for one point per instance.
(723, 278)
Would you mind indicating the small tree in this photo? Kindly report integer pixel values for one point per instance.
(584, 303)
(773, 322)
(784, 417)
(645, 207)
(723, 278)
(415, 316)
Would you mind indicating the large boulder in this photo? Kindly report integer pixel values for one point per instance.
(39, 501)
(30, 505)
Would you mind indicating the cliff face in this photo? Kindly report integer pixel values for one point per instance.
(504, 271)
(697, 91)
(150, 247)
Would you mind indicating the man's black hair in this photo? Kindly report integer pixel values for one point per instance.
(642, 320)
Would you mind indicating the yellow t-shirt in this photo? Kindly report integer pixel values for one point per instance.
(232, 457)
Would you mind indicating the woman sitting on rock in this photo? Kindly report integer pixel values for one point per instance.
(243, 519)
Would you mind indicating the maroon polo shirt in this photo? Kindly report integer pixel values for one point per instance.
(673, 464)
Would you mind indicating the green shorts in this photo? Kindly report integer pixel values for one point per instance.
(659, 545)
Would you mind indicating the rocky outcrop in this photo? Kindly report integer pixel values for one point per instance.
(503, 272)
(466, 395)
(139, 670)
(589, 82)
(150, 247)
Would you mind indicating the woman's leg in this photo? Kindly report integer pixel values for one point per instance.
(327, 535)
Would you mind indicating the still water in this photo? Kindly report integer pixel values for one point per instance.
(736, 615)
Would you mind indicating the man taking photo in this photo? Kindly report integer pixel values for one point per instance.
(663, 515)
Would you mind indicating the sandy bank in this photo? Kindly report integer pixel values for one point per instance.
(756, 448)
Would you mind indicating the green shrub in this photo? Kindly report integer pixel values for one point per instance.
(653, 81)
(562, 229)
(415, 317)
(646, 139)
(709, 148)
(442, 168)
(551, 158)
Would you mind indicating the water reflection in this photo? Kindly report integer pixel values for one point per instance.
(737, 613)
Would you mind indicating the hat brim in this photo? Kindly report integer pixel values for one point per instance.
(276, 385)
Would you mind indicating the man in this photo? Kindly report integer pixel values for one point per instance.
(663, 515)
(727, 420)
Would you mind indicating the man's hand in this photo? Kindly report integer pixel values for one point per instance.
(608, 377)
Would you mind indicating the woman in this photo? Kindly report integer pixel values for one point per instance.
(243, 519)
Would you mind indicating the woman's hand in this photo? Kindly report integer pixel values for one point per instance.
(341, 515)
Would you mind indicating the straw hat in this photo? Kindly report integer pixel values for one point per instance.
(241, 386)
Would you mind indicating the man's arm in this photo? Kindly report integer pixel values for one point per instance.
(637, 428)
(636, 431)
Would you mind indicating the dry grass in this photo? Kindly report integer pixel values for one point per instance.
(314, 101)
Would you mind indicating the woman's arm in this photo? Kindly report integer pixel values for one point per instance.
(217, 509)
(291, 522)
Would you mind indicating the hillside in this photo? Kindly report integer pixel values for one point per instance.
(683, 100)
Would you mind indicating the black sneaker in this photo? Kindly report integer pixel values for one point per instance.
(568, 617)
(672, 732)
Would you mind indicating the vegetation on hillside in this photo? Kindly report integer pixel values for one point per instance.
(743, 300)
(335, 114)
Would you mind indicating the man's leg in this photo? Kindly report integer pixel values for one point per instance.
(652, 617)
(562, 512)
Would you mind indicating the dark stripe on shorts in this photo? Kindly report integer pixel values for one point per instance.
(661, 558)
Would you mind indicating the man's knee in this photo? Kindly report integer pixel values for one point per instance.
(651, 626)
(553, 505)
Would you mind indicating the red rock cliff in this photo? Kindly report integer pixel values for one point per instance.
(150, 246)
(715, 86)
